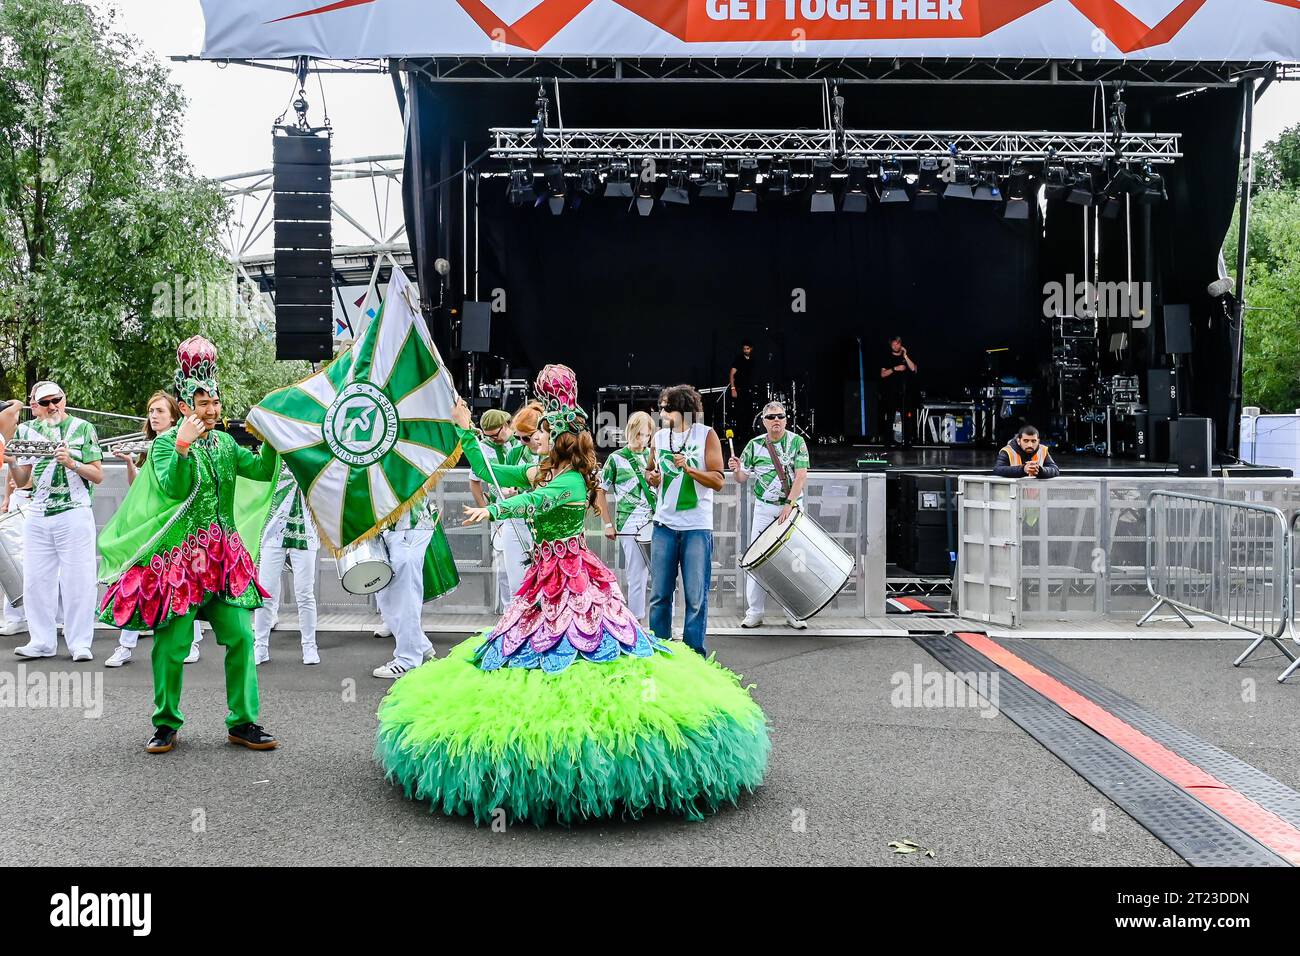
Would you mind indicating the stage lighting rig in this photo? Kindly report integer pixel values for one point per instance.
(1083, 191)
(588, 178)
(893, 184)
(715, 182)
(1017, 193)
(855, 192)
(927, 185)
(823, 200)
(618, 183)
(556, 188)
(679, 180)
(986, 186)
(779, 180)
(1153, 190)
(521, 184)
(746, 183)
(645, 189)
(1057, 180)
(960, 185)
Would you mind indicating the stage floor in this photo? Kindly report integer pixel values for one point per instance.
(967, 460)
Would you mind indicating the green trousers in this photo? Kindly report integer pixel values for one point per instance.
(171, 645)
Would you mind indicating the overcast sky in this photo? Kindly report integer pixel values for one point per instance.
(231, 110)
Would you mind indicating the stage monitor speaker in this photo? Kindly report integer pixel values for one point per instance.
(1178, 329)
(1192, 440)
(304, 286)
(1162, 392)
(476, 327)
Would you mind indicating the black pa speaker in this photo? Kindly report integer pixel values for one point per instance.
(1192, 441)
(1162, 392)
(476, 327)
(1178, 329)
(304, 286)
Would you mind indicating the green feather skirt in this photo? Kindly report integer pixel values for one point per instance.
(670, 732)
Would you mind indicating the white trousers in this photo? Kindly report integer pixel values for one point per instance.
(400, 603)
(59, 556)
(17, 615)
(762, 516)
(638, 576)
(515, 544)
(270, 571)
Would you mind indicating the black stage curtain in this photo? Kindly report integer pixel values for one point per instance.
(666, 298)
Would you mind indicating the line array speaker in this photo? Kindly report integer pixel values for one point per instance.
(304, 286)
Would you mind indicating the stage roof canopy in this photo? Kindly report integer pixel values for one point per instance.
(1242, 31)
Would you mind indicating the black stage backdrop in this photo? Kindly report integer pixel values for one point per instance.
(626, 299)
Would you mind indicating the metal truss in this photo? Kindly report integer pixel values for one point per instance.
(366, 201)
(1135, 72)
(577, 144)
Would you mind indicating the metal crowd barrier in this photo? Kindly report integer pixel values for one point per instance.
(1228, 560)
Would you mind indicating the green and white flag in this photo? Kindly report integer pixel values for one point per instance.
(368, 436)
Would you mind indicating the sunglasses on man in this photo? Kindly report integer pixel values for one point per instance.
(773, 418)
(47, 402)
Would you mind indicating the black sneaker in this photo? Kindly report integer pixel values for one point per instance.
(163, 740)
(252, 736)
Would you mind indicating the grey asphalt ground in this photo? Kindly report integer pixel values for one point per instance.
(849, 772)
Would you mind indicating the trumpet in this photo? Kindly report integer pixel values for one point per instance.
(139, 446)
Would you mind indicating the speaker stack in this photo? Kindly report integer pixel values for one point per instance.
(304, 287)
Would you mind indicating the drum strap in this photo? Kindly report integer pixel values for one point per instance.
(781, 476)
(650, 496)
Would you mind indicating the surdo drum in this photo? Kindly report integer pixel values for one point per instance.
(798, 564)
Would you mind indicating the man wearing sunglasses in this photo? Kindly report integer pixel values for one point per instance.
(59, 550)
(778, 464)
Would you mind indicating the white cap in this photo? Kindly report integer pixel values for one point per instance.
(45, 390)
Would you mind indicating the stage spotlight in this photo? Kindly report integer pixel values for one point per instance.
(645, 194)
(823, 200)
(1082, 190)
(927, 186)
(960, 186)
(521, 184)
(746, 182)
(779, 181)
(715, 183)
(893, 185)
(679, 179)
(1153, 190)
(618, 182)
(555, 187)
(588, 178)
(1058, 181)
(855, 192)
(986, 186)
(1017, 193)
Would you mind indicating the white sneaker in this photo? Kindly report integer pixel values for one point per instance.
(28, 651)
(390, 671)
(261, 653)
(382, 631)
(119, 656)
(430, 654)
(310, 655)
(752, 620)
(13, 627)
(80, 657)
(193, 656)
(796, 624)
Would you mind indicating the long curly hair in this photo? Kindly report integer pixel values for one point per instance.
(578, 451)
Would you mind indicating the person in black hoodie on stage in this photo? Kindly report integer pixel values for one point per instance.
(1025, 457)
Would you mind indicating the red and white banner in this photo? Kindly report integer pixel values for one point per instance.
(1212, 30)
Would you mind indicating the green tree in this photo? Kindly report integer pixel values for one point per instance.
(1278, 164)
(1272, 357)
(99, 208)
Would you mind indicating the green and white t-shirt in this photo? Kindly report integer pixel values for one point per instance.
(684, 505)
(298, 531)
(56, 489)
(756, 462)
(624, 477)
(495, 455)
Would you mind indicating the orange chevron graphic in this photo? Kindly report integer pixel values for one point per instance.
(341, 4)
(1128, 32)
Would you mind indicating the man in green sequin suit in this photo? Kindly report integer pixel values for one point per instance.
(178, 549)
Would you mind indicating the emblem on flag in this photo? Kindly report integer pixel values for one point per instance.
(369, 435)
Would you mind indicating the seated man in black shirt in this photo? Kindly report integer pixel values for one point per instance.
(1025, 457)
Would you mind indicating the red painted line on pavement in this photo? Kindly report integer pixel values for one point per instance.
(1264, 825)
